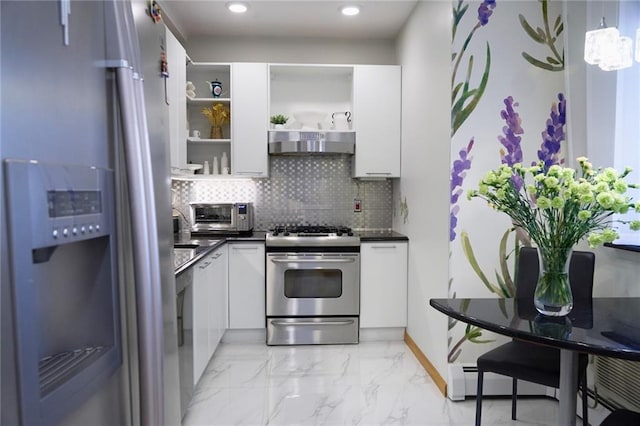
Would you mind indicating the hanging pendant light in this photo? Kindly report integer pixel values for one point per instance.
(600, 43)
(619, 57)
(638, 45)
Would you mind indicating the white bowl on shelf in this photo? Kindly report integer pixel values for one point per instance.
(310, 119)
(186, 169)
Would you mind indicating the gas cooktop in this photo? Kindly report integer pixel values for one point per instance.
(312, 235)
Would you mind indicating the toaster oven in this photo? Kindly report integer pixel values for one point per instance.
(221, 218)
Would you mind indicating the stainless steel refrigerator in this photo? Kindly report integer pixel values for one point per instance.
(88, 316)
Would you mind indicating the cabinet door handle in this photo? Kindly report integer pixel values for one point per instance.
(245, 248)
(383, 247)
(286, 323)
(205, 265)
(378, 173)
(326, 260)
(217, 255)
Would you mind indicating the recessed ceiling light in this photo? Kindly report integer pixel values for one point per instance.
(350, 10)
(237, 7)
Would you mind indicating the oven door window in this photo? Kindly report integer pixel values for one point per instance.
(313, 283)
(217, 215)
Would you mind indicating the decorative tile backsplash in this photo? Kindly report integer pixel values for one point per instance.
(300, 190)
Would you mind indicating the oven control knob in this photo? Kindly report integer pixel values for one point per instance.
(275, 233)
(350, 234)
(286, 234)
(339, 233)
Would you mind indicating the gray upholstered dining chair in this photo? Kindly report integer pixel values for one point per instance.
(528, 361)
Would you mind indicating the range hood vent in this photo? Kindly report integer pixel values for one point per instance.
(288, 142)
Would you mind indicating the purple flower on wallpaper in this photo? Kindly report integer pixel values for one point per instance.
(485, 11)
(553, 135)
(511, 140)
(460, 166)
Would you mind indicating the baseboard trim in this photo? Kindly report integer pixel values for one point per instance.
(424, 361)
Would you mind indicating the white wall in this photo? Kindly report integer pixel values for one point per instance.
(291, 50)
(424, 51)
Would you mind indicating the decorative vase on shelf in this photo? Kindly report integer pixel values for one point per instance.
(216, 132)
(553, 295)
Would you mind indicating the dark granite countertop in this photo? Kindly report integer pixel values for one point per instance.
(190, 249)
(369, 235)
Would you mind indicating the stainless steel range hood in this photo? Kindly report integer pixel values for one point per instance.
(288, 142)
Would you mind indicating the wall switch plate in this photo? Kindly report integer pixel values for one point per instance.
(357, 205)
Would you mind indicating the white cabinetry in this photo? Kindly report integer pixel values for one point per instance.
(176, 83)
(202, 277)
(246, 285)
(209, 307)
(383, 284)
(377, 120)
(250, 120)
(218, 305)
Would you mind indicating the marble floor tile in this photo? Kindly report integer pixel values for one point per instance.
(373, 383)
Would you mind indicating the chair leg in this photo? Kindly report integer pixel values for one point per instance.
(514, 398)
(479, 398)
(585, 401)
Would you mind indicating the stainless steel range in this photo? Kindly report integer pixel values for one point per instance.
(313, 285)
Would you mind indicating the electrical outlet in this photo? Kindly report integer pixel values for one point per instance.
(357, 205)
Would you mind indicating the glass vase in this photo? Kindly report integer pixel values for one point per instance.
(553, 291)
(216, 132)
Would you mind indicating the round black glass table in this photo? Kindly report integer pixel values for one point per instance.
(600, 326)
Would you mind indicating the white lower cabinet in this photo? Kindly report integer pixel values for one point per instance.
(209, 307)
(202, 276)
(219, 309)
(383, 284)
(246, 285)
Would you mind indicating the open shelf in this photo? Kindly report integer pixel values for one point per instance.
(191, 100)
(202, 140)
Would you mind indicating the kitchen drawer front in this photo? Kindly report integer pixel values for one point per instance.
(308, 331)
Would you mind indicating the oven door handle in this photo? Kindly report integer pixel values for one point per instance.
(281, 323)
(323, 260)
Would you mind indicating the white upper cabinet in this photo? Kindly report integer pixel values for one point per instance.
(176, 57)
(249, 114)
(377, 120)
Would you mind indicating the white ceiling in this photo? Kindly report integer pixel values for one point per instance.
(378, 19)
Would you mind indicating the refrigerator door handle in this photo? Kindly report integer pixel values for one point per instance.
(145, 247)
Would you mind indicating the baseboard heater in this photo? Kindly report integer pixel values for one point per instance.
(462, 381)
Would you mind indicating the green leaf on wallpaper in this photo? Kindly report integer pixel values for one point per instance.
(468, 252)
(554, 62)
(558, 24)
(511, 288)
(540, 64)
(459, 113)
(529, 30)
(455, 91)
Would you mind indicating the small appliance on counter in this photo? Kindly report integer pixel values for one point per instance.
(221, 218)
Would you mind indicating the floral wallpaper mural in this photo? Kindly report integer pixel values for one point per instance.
(507, 106)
